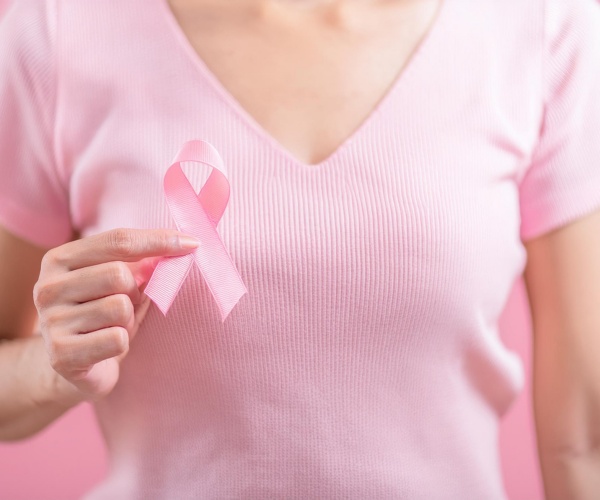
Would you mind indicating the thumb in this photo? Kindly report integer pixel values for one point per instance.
(139, 313)
(142, 270)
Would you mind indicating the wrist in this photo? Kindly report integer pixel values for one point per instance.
(52, 389)
(65, 393)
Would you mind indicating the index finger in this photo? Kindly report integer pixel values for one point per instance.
(124, 244)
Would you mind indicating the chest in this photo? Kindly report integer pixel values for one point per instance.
(307, 76)
(421, 198)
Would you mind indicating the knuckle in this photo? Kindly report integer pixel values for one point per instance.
(40, 295)
(58, 256)
(50, 258)
(44, 327)
(121, 307)
(44, 294)
(119, 339)
(120, 276)
(56, 317)
(168, 241)
(57, 355)
(51, 320)
(121, 242)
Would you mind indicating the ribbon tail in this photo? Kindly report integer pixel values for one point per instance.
(222, 278)
(167, 279)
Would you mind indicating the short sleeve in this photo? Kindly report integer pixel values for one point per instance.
(562, 181)
(33, 200)
(3, 6)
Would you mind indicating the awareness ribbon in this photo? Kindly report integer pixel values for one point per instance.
(197, 215)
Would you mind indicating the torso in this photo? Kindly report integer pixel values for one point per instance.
(375, 279)
(308, 75)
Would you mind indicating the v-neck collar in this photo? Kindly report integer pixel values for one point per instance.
(410, 67)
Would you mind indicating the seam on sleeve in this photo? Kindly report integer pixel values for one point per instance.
(544, 64)
(544, 87)
(39, 228)
(58, 159)
(542, 93)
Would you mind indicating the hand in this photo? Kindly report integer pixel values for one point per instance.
(89, 297)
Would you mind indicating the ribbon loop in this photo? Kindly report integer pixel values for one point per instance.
(198, 215)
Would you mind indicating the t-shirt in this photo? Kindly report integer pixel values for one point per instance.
(4, 5)
(365, 360)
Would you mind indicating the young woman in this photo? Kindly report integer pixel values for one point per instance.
(394, 166)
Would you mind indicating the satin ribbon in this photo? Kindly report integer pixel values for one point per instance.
(197, 215)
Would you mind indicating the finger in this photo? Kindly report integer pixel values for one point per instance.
(97, 381)
(139, 314)
(140, 310)
(142, 270)
(119, 244)
(114, 310)
(88, 283)
(73, 355)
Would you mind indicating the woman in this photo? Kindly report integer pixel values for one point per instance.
(394, 167)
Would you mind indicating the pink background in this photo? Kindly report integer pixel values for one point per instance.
(69, 457)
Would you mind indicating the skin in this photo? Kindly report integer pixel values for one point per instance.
(563, 283)
(87, 296)
(275, 58)
(309, 106)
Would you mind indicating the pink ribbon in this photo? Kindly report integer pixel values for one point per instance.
(197, 215)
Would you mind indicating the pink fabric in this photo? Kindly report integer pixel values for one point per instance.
(364, 362)
(198, 215)
(4, 6)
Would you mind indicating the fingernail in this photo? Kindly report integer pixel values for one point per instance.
(186, 241)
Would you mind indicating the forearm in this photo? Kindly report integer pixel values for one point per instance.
(567, 428)
(32, 394)
(571, 476)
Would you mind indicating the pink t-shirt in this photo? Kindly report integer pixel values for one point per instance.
(364, 362)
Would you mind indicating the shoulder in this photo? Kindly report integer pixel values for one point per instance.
(571, 25)
(562, 16)
(28, 29)
(28, 51)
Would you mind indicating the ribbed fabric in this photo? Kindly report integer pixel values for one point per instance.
(365, 361)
